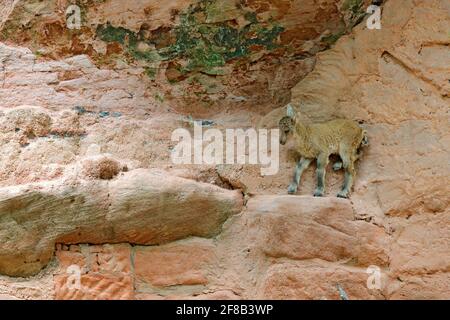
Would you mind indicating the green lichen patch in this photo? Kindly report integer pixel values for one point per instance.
(356, 12)
(353, 14)
(159, 97)
(333, 38)
(201, 45)
(354, 6)
(219, 11)
(151, 72)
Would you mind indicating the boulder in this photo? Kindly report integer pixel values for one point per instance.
(304, 227)
(140, 207)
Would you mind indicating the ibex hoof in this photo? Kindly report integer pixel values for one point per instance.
(292, 189)
(343, 194)
(318, 193)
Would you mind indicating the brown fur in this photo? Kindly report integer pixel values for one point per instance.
(320, 140)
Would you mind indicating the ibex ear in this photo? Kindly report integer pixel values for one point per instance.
(291, 111)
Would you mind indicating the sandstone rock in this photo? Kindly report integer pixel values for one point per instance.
(180, 270)
(68, 125)
(101, 272)
(382, 79)
(94, 287)
(421, 287)
(307, 228)
(141, 207)
(102, 167)
(94, 258)
(174, 264)
(286, 30)
(396, 79)
(316, 282)
(28, 121)
(99, 96)
(420, 247)
(386, 80)
(309, 233)
(40, 287)
(217, 295)
(7, 297)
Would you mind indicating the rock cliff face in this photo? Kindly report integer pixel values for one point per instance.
(92, 207)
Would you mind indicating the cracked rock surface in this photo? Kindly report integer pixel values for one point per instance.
(87, 186)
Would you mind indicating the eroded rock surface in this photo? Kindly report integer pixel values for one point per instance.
(140, 207)
(87, 184)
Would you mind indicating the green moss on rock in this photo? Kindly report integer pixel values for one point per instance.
(205, 47)
(356, 11)
(355, 6)
(333, 38)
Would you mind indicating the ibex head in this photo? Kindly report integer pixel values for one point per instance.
(287, 124)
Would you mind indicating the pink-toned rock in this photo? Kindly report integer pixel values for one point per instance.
(140, 207)
(101, 272)
(316, 282)
(94, 258)
(68, 256)
(25, 123)
(301, 32)
(102, 167)
(217, 295)
(110, 258)
(174, 264)
(385, 79)
(307, 228)
(421, 246)
(394, 81)
(94, 286)
(148, 296)
(40, 287)
(7, 297)
(421, 287)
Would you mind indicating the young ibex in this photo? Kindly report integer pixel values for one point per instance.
(319, 141)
